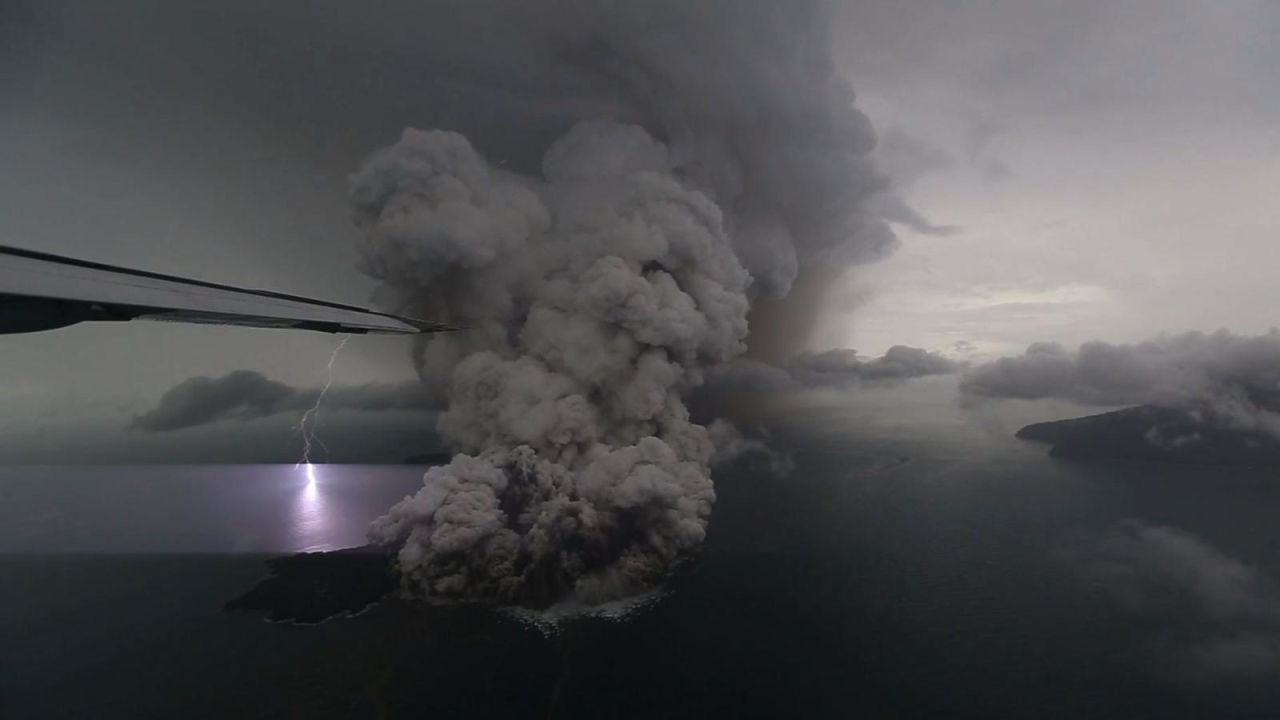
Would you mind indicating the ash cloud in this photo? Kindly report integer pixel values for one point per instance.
(598, 294)
(1234, 377)
(892, 207)
(732, 446)
(604, 286)
(247, 395)
(906, 159)
(1219, 618)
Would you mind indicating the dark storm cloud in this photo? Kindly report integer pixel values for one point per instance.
(331, 76)
(249, 101)
(247, 395)
(332, 80)
(1221, 617)
(1230, 373)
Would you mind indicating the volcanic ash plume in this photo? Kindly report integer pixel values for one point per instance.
(600, 292)
(598, 297)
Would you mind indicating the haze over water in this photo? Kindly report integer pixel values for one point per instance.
(903, 570)
(88, 509)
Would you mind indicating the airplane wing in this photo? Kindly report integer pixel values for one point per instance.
(39, 291)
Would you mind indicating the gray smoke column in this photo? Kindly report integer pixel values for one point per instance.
(746, 95)
(601, 291)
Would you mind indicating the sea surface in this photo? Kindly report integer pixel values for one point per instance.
(918, 570)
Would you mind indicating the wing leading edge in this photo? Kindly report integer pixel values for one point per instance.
(39, 291)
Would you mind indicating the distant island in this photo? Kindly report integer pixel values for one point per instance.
(1159, 434)
(312, 587)
(439, 457)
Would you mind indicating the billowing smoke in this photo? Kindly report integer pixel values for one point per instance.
(732, 444)
(601, 291)
(597, 299)
(1235, 378)
(248, 395)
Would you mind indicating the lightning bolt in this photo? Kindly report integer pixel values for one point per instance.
(307, 423)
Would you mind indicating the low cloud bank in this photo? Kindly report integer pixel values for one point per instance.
(1234, 377)
(744, 382)
(836, 368)
(247, 395)
(1219, 618)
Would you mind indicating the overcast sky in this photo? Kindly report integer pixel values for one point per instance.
(1112, 167)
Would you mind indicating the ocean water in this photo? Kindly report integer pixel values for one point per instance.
(912, 570)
